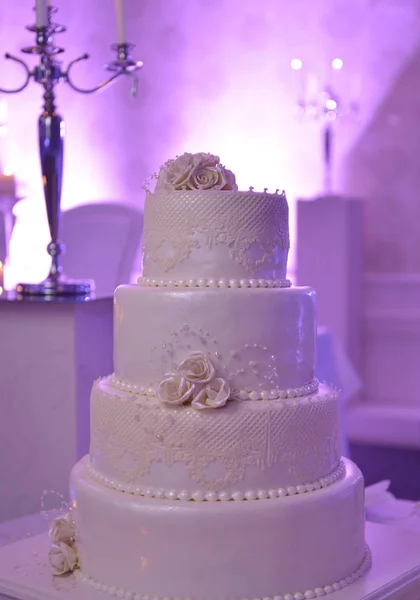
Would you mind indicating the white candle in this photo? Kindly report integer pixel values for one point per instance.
(7, 186)
(356, 89)
(119, 11)
(41, 13)
(1, 277)
(312, 88)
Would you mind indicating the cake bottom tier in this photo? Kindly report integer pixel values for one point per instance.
(288, 547)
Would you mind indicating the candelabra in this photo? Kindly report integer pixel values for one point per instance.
(325, 106)
(48, 73)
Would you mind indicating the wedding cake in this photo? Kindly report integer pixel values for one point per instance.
(214, 470)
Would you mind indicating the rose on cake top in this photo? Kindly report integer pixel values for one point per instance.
(199, 171)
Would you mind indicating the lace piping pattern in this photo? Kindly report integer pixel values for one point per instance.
(253, 227)
(129, 435)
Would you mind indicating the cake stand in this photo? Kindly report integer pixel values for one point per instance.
(395, 574)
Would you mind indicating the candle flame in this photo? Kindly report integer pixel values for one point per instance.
(337, 64)
(296, 64)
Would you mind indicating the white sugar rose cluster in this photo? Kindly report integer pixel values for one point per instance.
(194, 382)
(195, 172)
(63, 553)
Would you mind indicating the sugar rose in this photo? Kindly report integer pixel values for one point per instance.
(175, 389)
(197, 368)
(62, 558)
(62, 529)
(214, 395)
(199, 171)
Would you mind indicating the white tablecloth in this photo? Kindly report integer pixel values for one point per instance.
(21, 528)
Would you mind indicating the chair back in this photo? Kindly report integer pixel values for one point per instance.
(101, 243)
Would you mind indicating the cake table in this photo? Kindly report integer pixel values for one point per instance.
(49, 352)
(395, 574)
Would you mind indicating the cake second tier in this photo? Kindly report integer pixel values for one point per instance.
(261, 341)
(243, 450)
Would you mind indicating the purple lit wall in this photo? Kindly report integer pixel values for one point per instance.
(217, 78)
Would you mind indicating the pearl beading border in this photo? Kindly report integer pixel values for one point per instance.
(223, 496)
(312, 594)
(304, 390)
(214, 283)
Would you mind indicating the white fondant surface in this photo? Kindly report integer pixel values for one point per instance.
(220, 550)
(215, 234)
(244, 446)
(257, 339)
(26, 575)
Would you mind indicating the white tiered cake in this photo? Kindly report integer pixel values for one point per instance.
(214, 471)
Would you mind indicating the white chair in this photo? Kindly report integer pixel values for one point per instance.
(4, 243)
(7, 221)
(102, 242)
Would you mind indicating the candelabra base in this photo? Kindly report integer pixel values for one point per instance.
(51, 288)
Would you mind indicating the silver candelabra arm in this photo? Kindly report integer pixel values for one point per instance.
(123, 65)
(29, 74)
(48, 73)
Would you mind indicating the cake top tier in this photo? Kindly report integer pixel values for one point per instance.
(198, 225)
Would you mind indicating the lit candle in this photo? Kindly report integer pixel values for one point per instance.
(41, 13)
(119, 11)
(336, 77)
(7, 186)
(356, 89)
(297, 65)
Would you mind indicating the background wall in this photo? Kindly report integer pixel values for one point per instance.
(217, 78)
